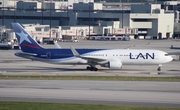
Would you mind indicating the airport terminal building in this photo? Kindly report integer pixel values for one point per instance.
(89, 18)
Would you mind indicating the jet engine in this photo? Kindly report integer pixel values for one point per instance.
(114, 64)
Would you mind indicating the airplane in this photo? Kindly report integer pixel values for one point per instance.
(110, 58)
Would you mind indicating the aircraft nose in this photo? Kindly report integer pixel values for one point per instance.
(169, 58)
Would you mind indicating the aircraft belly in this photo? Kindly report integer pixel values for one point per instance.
(139, 62)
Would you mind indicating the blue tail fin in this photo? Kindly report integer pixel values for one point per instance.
(26, 42)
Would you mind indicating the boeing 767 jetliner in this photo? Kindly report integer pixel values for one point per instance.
(111, 58)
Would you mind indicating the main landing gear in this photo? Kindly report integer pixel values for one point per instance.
(92, 68)
(159, 68)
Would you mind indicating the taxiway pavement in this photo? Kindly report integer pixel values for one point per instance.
(138, 93)
(162, 94)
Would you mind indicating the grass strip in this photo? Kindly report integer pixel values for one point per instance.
(105, 78)
(58, 106)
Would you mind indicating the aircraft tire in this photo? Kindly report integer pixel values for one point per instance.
(88, 68)
(159, 69)
(95, 69)
(91, 69)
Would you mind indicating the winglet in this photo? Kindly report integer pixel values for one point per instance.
(75, 53)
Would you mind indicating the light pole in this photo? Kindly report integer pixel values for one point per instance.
(122, 11)
(50, 17)
(67, 12)
(89, 19)
(76, 32)
(3, 14)
(42, 11)
(14, 11)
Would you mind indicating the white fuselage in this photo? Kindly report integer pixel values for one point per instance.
(127, 56)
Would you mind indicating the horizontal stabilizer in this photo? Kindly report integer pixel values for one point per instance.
(25, 54)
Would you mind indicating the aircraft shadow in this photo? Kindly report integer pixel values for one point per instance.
(80, 69)
(56, 69)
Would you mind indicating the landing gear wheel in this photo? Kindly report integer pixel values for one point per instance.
(95, 69)
(88, 67)
(91, 68)
(159, 69)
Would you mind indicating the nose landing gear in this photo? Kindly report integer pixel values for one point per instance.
(159, 68)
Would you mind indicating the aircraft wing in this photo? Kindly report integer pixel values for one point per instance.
(95, 60)
(90, 59)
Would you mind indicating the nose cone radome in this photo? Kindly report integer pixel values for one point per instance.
(169, 58)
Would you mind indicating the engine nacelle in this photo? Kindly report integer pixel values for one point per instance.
(114, 64)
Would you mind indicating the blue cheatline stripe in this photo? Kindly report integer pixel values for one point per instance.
(64, 53)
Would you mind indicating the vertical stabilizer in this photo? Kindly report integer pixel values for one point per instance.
(26, 42)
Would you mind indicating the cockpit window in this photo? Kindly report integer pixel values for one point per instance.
(165, 54)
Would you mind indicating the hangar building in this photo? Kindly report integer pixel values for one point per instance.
(149, 19)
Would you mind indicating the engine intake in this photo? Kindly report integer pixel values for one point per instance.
(115, 64)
